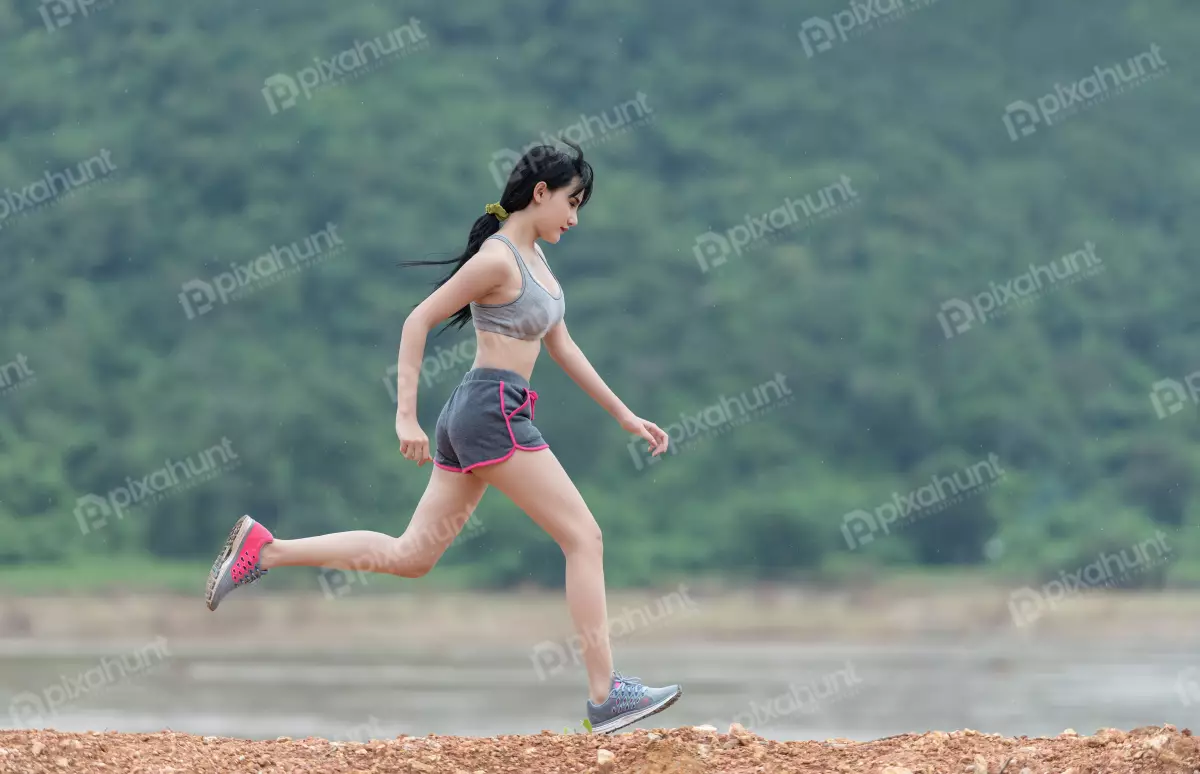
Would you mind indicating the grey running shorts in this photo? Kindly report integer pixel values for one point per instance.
(487, 418)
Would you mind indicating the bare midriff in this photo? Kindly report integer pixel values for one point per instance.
(495, 350)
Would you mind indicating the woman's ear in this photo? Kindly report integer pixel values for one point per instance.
(540, 191)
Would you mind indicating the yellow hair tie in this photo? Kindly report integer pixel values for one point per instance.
(497, 210)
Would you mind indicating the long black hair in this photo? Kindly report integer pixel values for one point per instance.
(540, 163)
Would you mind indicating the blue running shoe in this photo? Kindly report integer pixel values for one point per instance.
(628, 702)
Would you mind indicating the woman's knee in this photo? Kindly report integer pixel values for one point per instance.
(406, 558)
(584, 536)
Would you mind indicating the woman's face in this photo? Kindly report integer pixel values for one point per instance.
(557, 211)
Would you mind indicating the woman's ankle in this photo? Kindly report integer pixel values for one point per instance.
(270, 555)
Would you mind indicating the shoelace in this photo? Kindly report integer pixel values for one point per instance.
(253, 574)
(630, 692)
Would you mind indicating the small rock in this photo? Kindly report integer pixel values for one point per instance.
(1158, 742)
(76, 744)
(654, 737)
(284, 739)
(737, 728)
(703, 750)
(705, 729)
(729, 744)
(605, 759)
(981, 766)
(760, 752)
(62, 763)
(897, 770)
(37, 748)
(1069, 732)
(418, 766)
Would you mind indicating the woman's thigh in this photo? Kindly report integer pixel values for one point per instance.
(537, 484)
(448, 501)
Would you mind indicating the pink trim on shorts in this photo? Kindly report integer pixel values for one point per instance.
(529, 395)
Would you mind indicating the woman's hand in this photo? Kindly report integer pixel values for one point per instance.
(414, 444)
(646, 429)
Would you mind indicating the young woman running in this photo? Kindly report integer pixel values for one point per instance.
(504, 286)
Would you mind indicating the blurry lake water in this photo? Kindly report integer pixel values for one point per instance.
(781, 691)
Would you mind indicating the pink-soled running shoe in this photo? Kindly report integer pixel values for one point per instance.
(238, 563)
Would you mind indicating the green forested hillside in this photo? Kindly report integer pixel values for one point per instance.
(204, 206)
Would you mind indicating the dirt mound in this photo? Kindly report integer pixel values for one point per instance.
(1153, 750)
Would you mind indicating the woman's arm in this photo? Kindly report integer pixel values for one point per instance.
(481, 274)
(564, 351)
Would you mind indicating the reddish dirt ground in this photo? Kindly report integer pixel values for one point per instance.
(1152, 749)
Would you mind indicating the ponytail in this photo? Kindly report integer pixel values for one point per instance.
(540, 163)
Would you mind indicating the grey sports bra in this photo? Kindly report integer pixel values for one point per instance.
(529, 316)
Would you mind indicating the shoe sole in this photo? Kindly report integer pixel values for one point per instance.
(233, 545)
(626, 720)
